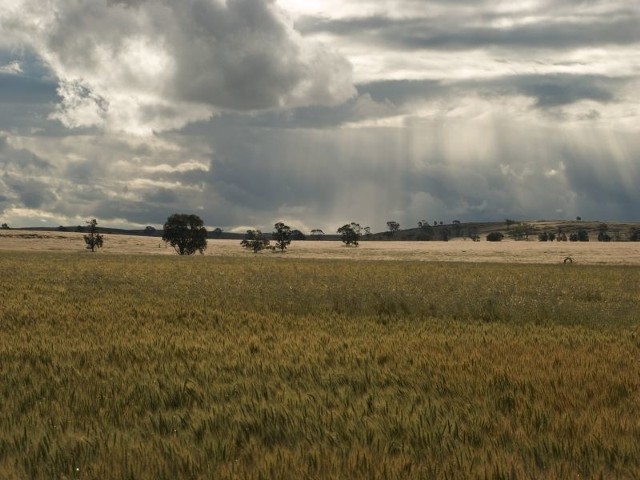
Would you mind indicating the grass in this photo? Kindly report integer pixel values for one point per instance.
(267, 367)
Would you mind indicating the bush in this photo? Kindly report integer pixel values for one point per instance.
(255, 240)
(547, 237)
(495, 237)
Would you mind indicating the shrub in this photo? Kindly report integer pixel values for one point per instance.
(255, 240)
(495, 237)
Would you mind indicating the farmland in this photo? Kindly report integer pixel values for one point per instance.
(266, 366)
(458, 250)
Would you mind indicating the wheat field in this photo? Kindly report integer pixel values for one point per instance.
(270, 366)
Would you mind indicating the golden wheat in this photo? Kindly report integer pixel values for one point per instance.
(274, 367)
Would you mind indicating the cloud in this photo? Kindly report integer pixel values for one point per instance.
(23, 177)
(12, 68)
(151, 66)
(464, 25)
(468, 110)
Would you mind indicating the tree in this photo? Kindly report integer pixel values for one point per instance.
(634, 234)
(603, 235)
(393, 226)
(93, 239)
(255, 240)
(149, 230)
(185, 233)
(297, 235)
(350, 233)
(495, 237)
(580, 236)
(472, 233)
(457, 228)
(426, 230)
(217, 232)
(282, 236)
(521, 231)
(5, 226)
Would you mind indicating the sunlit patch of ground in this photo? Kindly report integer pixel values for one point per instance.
(508, 251)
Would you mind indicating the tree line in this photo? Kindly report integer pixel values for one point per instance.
(187, 234)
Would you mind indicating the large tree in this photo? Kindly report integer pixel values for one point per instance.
(185, 233)
(282, 235)
(350, 233)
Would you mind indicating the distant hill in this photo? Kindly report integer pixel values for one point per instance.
(616, 230)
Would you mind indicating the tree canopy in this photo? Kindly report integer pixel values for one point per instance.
(350, 233)
(282, 235)
(255, 241)
(93, 239)
(185, 233)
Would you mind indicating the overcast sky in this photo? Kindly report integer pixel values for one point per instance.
(318, 112)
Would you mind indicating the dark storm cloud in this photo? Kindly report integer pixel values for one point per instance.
(400, 92)
(457, 32)
(30, 193)
(360, 108)
(21, 160)
(161, 196)
(604, 186)
(383, 99)
(548, 91)
(563, 89)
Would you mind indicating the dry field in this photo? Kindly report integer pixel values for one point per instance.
(507, 251)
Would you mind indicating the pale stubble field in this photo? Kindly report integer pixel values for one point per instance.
(458, 250)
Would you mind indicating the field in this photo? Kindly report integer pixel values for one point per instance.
(458, 250)
(271, 366)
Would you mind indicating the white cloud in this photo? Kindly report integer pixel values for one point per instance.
(149, 66)
(12, 68)
(182, 167)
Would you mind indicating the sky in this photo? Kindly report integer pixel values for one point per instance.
(318, 113)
